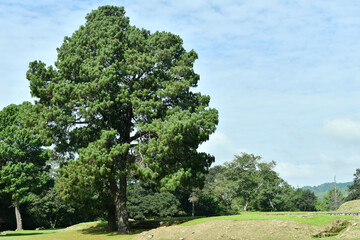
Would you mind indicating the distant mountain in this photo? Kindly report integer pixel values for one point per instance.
(321, 190)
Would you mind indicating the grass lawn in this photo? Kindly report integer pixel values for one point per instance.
(97, 230)
(309, 218)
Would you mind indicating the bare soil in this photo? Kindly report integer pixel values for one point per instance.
(234, 230)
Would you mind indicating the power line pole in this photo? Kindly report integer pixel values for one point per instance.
(335, 193)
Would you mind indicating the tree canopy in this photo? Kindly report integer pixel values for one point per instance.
(354, 189)
(121, 98)
(22, 159)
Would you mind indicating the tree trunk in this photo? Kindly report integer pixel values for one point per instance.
(193, 209)
(18, 215)
(53, 224)
(111, 217)
(245, 205)
(271, 204)
(121, 211)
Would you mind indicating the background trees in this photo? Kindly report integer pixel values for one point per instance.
(249, 183)
(23, 166)
(144, 202)
(354, 189)
(334, 199)
(121, 96)
(305, 200)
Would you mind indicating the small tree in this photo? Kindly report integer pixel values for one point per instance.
(50, 208)
(22, 159)
(144, 203)
(334, 199)
(194, 198)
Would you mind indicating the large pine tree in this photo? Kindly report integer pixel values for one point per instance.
(121, 97)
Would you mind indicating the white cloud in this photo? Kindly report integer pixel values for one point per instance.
(220, 146)
(318, 171)
(343, 129)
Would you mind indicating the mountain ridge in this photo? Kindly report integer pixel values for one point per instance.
(321, 190)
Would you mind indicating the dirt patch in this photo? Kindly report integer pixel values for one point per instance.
(332, 229)
(233, 230)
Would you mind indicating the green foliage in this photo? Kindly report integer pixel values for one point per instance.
(145, 203)
(23, 166)
(208, 205)
(334, 199)
(50, 210)
(354, 189)
(305, 200)
(20, 178)
(321, 206)
(247, 183)
(123, 96)
(275, 195)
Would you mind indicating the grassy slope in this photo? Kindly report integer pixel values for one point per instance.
(99, 232)
(310, 219)
(350, 206)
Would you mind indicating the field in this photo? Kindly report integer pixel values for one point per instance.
(243, 226)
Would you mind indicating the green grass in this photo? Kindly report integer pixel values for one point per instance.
(174, 219)
(97, 230)
(86, 223)
(92, 233)
(316, 220)
(69, 235)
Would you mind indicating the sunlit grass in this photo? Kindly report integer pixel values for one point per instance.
(97, 232)
(310, 219)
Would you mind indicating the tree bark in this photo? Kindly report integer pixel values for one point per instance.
(271, 204)
(18, 215)
(246, 204)
(121, 211)
(111, 217)
(193, 209)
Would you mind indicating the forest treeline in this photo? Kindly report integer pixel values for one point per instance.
(247, 183)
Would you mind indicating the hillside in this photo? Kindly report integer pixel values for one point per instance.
(353, 205)
(321, 190)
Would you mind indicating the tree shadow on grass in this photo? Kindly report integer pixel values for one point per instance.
(15, 234)
(97, 230)
(135, 228)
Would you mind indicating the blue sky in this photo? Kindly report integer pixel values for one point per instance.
(284, 75)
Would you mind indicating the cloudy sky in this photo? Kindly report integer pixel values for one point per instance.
(284, 75)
